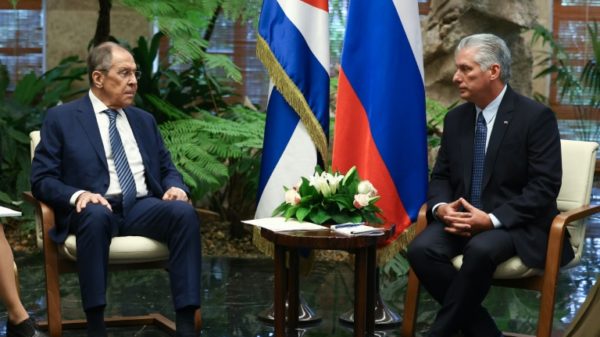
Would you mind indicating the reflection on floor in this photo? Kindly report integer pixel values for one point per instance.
(235, 290)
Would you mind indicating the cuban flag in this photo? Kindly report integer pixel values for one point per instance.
(293, 45)
(380, 122)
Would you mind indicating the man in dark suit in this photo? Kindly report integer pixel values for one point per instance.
(493, 189)
(103, 167)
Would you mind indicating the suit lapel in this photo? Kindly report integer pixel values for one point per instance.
(501, 124)
(138, 133)
(89, 123)
(136, 124)
(466, 144)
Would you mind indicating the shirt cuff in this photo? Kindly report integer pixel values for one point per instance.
(434, 209)
(74, 197)
(495, 221)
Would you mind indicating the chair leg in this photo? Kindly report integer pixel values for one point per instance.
(198, 320)
(411, 304)
(548, 296)
(53, 305)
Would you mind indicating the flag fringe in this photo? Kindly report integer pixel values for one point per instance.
(263, 245)
(386, 253)
(293, 96)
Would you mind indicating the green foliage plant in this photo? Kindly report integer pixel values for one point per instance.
(579, 87)
(236, 200)
(184, 22)
(436, 112)
(191, 89)
(218, 156)
(21, 111)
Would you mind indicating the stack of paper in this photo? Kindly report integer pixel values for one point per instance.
(280, 224)
(7, 212)
(353, 229)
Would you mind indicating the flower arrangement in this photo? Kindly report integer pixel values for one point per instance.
(331, 197)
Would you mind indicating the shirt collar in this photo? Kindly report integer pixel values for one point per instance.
(491, 109)
(98, 105)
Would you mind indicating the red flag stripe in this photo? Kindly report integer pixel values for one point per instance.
(321, 4)
(353, 135)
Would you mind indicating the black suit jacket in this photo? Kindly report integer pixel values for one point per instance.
(522, 172)
(71, 157)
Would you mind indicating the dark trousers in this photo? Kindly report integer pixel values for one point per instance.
(172, 222)
(460, 292)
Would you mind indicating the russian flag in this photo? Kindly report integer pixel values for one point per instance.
(293, 44)
(380, 123)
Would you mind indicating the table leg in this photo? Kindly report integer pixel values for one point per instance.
(371, 289)
(280, 291)
(293, 292)
(360, 292)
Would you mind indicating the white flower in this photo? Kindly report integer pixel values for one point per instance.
(361, 200)
(320, 183)
(334, 182)
(365, 187)
(292, 197)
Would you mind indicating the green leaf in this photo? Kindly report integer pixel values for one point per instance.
(290, 212)
(281, 209)
(350, 176)
(344, 201)
(319, 217)
(302, 212)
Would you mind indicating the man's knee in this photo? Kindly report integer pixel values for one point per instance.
(415, 251)
(96, 219)
(478, 255)
(188, 219)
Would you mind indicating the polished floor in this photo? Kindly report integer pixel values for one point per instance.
(236, 290)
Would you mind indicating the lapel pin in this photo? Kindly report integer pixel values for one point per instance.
(505, 122)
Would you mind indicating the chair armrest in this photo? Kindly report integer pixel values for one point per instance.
(44, 215)
(559, 226)
(421, 219)
(557, 233)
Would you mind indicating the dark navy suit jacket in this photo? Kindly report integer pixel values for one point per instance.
(71, 157)
(522, 172)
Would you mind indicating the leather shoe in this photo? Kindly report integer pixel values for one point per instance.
(27, 328)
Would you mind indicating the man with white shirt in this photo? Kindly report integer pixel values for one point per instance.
(493, 189)
(103, 167)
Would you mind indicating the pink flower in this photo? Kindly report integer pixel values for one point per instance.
(292, 197)
(361, 200)
(365, 187)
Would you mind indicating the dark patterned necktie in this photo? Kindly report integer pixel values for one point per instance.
(478, 160)
(124, 174)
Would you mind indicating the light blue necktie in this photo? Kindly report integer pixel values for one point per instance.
(478, 160)
(121, 164)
